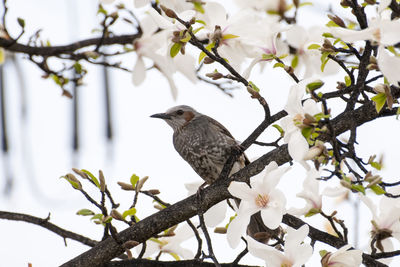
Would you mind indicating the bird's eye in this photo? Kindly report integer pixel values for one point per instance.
(179, 112)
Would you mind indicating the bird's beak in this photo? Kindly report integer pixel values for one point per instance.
(163, 116)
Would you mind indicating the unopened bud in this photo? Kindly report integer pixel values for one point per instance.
(337, 20)
(81, 173)
(372, 66)
(220, 230)
(345, 183)
(371, 2)
(140, 183)
(116, 215)
(381, 88)
(130, 244)
(372, 59)
(168, 12)
(158, 207)
(308, 119)
(327, 44)
(215, 75)
(154, 191)
(341, 85)
(176, 39)
(376, 181)
(73, 181)
(217, 34)
(125, 186)
(102, 181)
(253, 93)
(288, 69)
(208, 60)
(344, 3)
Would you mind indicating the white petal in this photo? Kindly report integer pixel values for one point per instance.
(351, 36)
(139, 72)
(141, 3)
(185, 64)
(236, 229)
(298, 146)
(271, 256)
(383, 4)
(187, 15)
(296, 236)
(296, 36)
(216, 214)
(334, 191)
(241, 190)
(272, 217)
(162, 22)
(301, 255)
(389, 31)
(389, 65)
(311, 107)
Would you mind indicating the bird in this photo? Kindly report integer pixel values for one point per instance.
(206, 145)
(202, 141)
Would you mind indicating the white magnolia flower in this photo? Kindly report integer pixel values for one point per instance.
(106, 2)
(383, 31)
(262, 196)
(297, 144)
(310, 194)
(216, 214)
(153, 45)
(342, 258)
(385, 221)
(171, 245)
(309, 59)
(296, 251)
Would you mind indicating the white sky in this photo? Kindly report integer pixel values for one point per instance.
(41, 150)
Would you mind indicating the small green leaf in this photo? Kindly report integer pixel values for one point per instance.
(102, 10)
(377, 189)
(134, 180)
(201, 21)
(347, 80)
(331, 24)
(314, 46)
(229, 36)
(279, 128)
(306, 4)
(92, 177)
(175, 256)
(108, 219)
(315, 85)
(21, 22)
(268, 56)
(327, 35)
(376, 165)
(295, 61)
(198, 7)
(279, 65)
(358, 188)
(198, 29)
(255, 88)
(129, 212)
(85, 212)
(73, 181)
(324, 60)
(208, 48)
(322, 253)
(306, 132)
(176, 47)
(380, 100)
(187, 38)
(397, 113)
(2, 57)
(312, 212)
(98, 216)
(78, 67)
(321, 115)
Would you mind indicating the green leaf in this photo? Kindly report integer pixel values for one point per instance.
(98, 216)
(322, 253)
(2, 57)
(398, 113)
(21, 22)
(279, 65)
(229, 36)
(186, 39)
(92, 177)
(176, 47)
(306, 4)
(295, 61)
(279, 128)
(268, 56)
(208, 48)
(314, 46)
(198, 29)
(315, 85)
(129, 212)
(358, 188)
(85, 212)
(78, 67)
(201, 21)
(347, 80)
(327, 35)
(312, 212)
(331, 24)
(376, 165)
(380, 100)
(324, 60)
(73, 181)
(255, 88)
(198, 7)
(102, 10)
(377, 189)
(109, 219)
(175, 256)
(134, 180)
(306, 132)
(321, 115)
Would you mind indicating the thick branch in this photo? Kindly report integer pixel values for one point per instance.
(67, 49)
(48, 225)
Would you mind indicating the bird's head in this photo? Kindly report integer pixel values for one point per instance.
(178, 116)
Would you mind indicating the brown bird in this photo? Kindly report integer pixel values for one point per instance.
(202, 141)
(206, 145)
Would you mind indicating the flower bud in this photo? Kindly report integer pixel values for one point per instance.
(220, 230)
(116, 215)
(130, 244)
(215, 75)
(337, 20)
(168, 12)
(125, 186)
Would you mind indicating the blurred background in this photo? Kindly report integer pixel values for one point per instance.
(107, 126)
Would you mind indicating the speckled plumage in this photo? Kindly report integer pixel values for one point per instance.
(202, 141)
